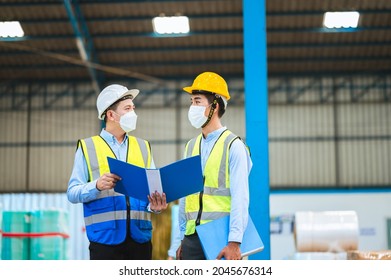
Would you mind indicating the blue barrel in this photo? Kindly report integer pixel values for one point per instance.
(15, 240)
(1, 228)
(49, 235)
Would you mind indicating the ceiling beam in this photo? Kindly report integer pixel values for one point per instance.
(232, 47)
(207, 32)
(83, 40)
(170, 62)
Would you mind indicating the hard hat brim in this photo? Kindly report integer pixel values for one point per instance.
(188, 89)
(132, 92)
(191, 89)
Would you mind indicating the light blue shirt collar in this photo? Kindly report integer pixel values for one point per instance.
(110, 138)
(214, 134)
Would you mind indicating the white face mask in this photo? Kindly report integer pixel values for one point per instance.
(197, 116)
(128, 121)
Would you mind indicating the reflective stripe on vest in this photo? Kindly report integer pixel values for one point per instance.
(96, 151)
(120, 215)
(216, 198)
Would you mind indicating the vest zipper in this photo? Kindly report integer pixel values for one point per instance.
(197, 222)
(128, 216)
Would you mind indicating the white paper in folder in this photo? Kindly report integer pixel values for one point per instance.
(327, 231)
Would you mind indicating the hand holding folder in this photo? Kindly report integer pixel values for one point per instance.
(214, 237)
(176, 180)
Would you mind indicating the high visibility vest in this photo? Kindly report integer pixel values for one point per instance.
(215, 200)
(106, 217)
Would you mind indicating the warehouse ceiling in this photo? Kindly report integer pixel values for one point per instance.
(118, 40)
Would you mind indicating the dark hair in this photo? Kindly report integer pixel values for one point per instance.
(114, 106)
(211, 97)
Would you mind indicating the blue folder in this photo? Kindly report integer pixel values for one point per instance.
(214, 237)
(176, 180)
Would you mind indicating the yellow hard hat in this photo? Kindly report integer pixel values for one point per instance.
(209, 81)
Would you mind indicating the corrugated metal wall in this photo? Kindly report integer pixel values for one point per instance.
(330, 133)
(323, 132)
(39, 137)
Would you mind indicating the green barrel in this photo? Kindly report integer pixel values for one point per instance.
(49, 229)
(15, 243)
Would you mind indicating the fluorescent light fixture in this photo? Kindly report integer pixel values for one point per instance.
(171, 25)
(341, 19)
(11, 29)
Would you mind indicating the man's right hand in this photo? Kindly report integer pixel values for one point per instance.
(107, 181)
(179, 253)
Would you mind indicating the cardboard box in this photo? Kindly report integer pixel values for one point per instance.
(369, 255)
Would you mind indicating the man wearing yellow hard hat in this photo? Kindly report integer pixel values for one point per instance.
(226, 165)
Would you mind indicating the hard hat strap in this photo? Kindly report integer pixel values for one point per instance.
(212, 109)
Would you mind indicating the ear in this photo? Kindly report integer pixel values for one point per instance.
(216, 108)
(110, 115)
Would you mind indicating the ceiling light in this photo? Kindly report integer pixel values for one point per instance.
(11, 29)
(171, 25)
(341, 19)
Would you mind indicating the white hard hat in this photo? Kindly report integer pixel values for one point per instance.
(110, 94)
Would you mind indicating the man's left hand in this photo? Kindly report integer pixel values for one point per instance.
(157, 202)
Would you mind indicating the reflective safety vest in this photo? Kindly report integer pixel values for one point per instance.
(108, 217)
(215, 200)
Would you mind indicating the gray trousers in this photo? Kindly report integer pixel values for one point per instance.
(191, 248)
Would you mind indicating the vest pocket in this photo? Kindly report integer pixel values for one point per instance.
(101, 214)
(107, 225)
(145, 225)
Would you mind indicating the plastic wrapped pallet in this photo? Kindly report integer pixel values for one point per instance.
(327, 231)
(49, 235)
(15, 240)
(319, 256)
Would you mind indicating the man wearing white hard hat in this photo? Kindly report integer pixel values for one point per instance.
(118, 227)
(226, 165)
